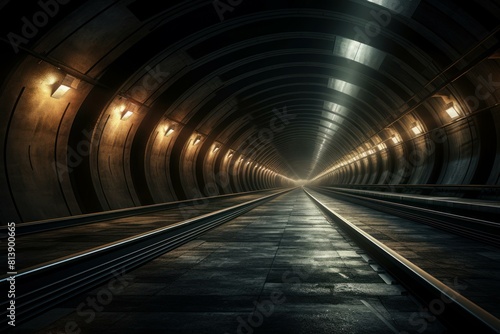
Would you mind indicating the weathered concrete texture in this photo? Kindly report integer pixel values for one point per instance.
(281, 268)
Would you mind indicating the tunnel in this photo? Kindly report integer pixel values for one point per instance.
(115, 109)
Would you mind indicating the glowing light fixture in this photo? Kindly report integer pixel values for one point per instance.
(197, 140)
(416, 128)
(382, 146)
(169, 131)
(230, 154)
(216, 148)
(451, 111)
(126, 115)
(69, 82)
(395, 139)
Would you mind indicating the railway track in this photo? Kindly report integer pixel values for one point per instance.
(43, 286)
(482, 230)
(458, 313)
(92, 218)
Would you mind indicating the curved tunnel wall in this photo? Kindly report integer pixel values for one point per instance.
(460, 151)
(259, 87)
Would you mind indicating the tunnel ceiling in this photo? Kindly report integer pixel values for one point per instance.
(293, 86)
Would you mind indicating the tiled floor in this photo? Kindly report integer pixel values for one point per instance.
(280, 268)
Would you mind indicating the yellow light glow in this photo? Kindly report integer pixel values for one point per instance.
(395, 139)
(67, 83)
(169, 131)
(416, 128)
(60, 91)
(197, 140)
(452, 112)
(126, 115)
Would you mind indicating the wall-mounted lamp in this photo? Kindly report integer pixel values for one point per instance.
(230, 154)
(69, 82)
(216, 148)
(395, 139)
(197, 140)
(126, 115)
(248, 163)
(451, 111)
(169, 130)
(450, 107)
(416, 128)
